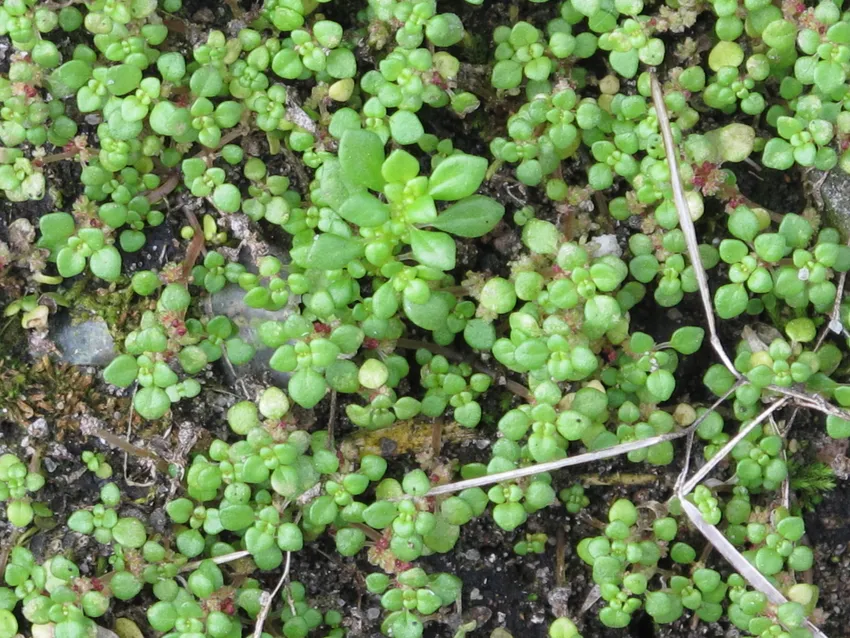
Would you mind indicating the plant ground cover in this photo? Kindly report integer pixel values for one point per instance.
(458, 248)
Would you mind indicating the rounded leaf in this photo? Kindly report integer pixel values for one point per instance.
(457, 176)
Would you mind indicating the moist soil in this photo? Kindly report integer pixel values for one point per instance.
(42, 402)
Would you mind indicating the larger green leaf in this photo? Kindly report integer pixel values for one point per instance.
(332, 184)
(430, 315)
(69, 77)
(471, 217)
(624, 62)
(437, 250)
(331, 252)
(364, 209)
(361, 154)
(457, 176)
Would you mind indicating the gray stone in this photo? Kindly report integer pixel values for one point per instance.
(835, 192)
(84, 343)
(603, 245)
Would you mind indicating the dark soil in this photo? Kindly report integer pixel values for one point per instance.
(40, 412)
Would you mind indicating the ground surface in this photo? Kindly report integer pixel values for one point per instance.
(42, 402)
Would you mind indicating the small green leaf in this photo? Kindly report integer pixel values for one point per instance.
(473, 216)
(69, 77)
(687, 340)
(432, 314)
(405, 127)
(778, 154)
(106, 263)
(55, 229)
(123, 78)
(437, 250)
(206, 81)
(169, 119)
(122, 371)
(457, 176)
(730, 300)
(70, 263)
(152, 403)
(307, 388)
(661, 384)
(507, 74)
(829, 76)
(625, 62)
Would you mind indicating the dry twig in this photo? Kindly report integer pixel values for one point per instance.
(581, 459)
(714, 536)
(268, 599)
(687, 223)
(218, 560)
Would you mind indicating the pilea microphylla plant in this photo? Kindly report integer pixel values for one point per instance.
(317, 229)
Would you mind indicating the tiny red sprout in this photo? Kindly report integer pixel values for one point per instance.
(557, 270)
(96, 584)
(321, 328)
(437, 80)
(733, 203)
(382, 543)
(708, 178)
(370, 343)
(30, 91)
(228, 607)
(402, 566)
